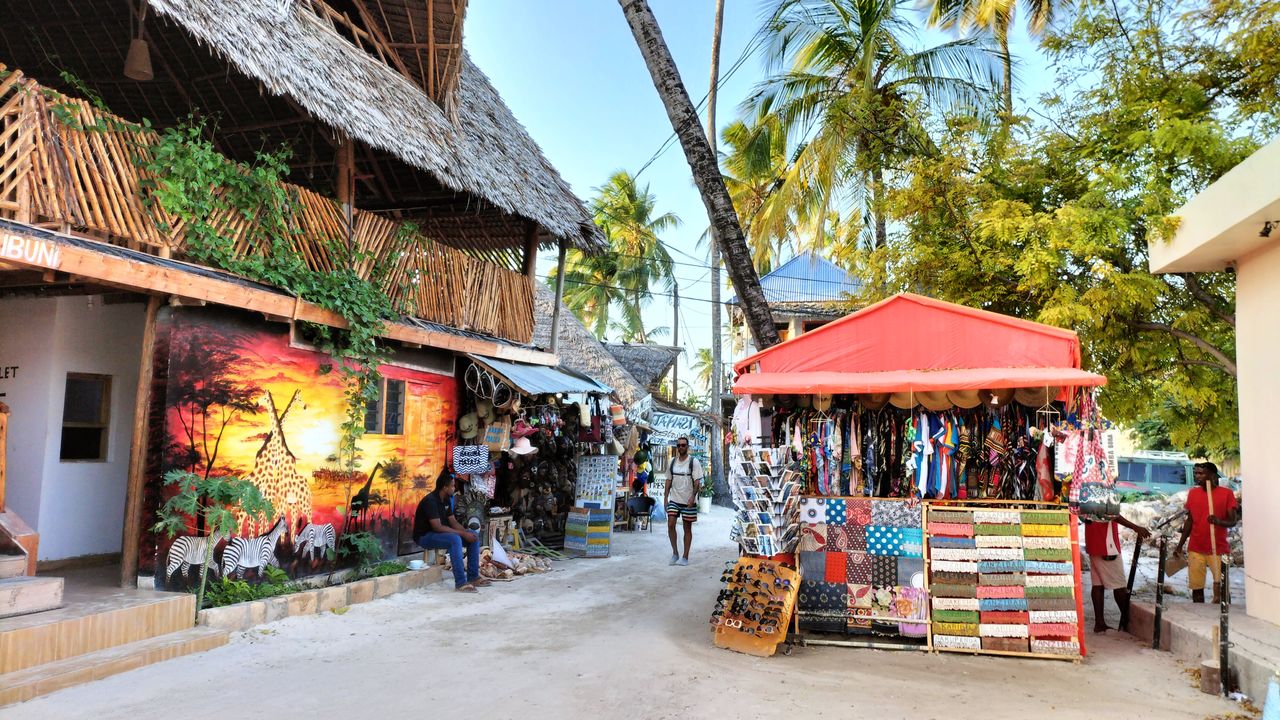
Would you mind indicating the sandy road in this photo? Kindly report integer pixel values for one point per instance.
(623, 637)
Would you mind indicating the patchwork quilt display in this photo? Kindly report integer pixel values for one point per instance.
(1003, 581)
(862, 564)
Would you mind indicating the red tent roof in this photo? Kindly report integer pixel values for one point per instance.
(911, 342)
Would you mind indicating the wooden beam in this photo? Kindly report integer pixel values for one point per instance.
(137, 476)
(381, 40)
(531, 252)
(555, 311)
(108, 268)
(345, 191)
(431, 49)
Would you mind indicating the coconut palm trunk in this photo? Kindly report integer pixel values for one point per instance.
(706, 170)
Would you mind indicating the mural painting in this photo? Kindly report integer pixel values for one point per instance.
(234, 397)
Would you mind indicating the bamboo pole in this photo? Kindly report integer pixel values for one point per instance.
(138, 450)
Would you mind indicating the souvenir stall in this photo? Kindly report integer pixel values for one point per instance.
(528, 441)
(924, 437)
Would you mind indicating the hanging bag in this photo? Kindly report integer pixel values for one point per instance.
(470, 459)
(497, 434)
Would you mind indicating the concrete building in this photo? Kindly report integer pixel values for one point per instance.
(1234, 224)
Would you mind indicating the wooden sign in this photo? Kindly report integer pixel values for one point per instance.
(30, 250)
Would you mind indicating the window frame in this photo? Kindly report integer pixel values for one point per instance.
(104, 415)
(380, 408)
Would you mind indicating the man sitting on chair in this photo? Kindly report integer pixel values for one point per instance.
(436, 528)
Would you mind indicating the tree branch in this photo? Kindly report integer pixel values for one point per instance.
(1224, 362)
(1199, 293)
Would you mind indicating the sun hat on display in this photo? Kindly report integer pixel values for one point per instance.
(998, 397)
(903, 400)
(873, 401)
(484, 408)
(965, 398)
(468, 426)
(934, 400)
(822, 402)
(522, 429)
(522, 446)
(1035, 396)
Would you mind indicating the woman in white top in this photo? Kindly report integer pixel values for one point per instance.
(681, 498)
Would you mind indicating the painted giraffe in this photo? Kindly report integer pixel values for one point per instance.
(275, 472)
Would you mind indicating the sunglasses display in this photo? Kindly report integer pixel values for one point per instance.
(755, 606)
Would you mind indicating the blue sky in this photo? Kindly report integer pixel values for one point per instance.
(571, 73)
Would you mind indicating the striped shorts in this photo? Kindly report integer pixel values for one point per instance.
(688, 513)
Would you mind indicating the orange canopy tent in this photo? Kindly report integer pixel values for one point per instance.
(914, 343)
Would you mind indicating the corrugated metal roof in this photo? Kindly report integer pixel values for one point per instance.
(540, 380)
(807, 277)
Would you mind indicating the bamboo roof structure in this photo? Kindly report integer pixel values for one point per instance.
(435, 142)
(647, 363)
(580, 350)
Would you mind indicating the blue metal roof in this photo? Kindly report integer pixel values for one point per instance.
(807, 277)
(539, 379)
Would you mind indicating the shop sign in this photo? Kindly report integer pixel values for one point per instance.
(668, 427)
(30, 250)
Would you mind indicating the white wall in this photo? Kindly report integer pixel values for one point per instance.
(77, 507)
(1257, 347)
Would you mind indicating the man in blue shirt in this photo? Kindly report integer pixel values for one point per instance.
(436, 528)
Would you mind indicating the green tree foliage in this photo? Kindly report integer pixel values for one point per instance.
(1157, 99)
(610, 290)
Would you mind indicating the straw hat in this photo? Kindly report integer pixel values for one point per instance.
(468, 426)
(522, 446)
(1036, 396)
(903, 400)
(766, 402)
(484, 408)
(822, 402)
(873, 401)
(964, 398)
(998, 397)
(935, 400)
(804, 401)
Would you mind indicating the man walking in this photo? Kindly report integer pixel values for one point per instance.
(1210, 511)
(1102, 543)
(681, 498)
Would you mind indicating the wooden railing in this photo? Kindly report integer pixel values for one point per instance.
(56, 174)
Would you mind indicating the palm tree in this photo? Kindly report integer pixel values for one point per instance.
(754, 169)
(589, 289)
(703, 366)
(628, 216)
(857, 97)
(995, 17)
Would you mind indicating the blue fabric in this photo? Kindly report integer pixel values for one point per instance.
(454, 544)
(949, 542)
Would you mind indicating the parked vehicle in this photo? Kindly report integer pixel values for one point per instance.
(1154, 472)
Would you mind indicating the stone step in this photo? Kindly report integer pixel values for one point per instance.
(85, 626)
(12, 565)
(23, 595)
(33, 682)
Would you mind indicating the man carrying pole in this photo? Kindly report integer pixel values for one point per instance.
(1210, 511)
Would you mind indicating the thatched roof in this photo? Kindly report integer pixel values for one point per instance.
(486, 153)
(580, 350)
(647, 363)
(272, 73)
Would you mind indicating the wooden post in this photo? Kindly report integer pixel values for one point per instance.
(4, 436)
(555, 311)
(345, 189)
(138, 450)
(531, 252)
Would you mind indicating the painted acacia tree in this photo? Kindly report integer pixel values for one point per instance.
(706, 169)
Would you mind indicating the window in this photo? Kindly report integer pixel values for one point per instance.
(814, 324)
(1133, 472)
(784, 331)
(1169, 474)
(385, 416)
(85, 412)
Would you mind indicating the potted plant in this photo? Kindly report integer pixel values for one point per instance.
(705, 491)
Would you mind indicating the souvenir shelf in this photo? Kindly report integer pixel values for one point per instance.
(744, 624)
(589, 527)
(1005, 581)
(862, 570)
(767, 498)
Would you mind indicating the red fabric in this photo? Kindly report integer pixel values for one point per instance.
(1095, 537)
(1224, 501)
(910, 342)
(1004, 617)
(837, 567)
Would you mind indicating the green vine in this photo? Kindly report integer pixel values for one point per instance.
(189, 186)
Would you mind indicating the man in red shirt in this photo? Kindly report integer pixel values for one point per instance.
(1207, 530)
(1102, 542)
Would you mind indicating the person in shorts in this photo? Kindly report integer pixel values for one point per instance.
(1102, 542)
(681, 498)
(1207, 530)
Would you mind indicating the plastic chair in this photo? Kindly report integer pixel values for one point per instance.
(641, 507)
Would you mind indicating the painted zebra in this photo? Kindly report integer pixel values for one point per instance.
(252, 553)
(315, 540)
(188, 550)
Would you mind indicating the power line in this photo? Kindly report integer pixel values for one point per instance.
(795, 295)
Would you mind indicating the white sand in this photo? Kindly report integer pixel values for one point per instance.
(623, 637)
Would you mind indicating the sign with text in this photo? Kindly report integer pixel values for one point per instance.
(30, 250)
(668, 427)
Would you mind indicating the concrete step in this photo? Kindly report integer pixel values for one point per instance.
(23, 595)
(12, 565)
(87, 625)
(33, 682)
